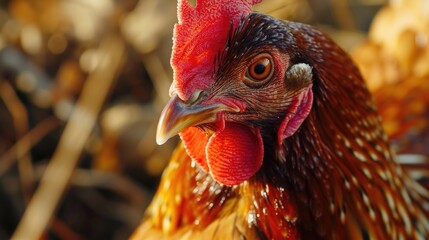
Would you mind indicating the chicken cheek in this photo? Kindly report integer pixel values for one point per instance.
(231, 156)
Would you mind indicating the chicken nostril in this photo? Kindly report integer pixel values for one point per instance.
(196, 97)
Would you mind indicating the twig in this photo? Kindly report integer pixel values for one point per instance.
(270, 7)
(20, 119)
(63, 231)
(26, 142)
(343, 15)
(160, 79)
(59, 171)
(133, 198)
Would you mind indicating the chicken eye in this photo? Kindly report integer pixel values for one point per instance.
(260, 70)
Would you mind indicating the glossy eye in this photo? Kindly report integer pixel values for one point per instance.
(259, 70)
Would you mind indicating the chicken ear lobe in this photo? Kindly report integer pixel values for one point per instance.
(298, 78)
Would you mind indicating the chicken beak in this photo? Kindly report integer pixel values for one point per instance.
(178, 116)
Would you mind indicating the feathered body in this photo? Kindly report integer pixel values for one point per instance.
(333, 176)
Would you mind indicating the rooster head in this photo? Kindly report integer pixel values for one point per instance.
(239, 85)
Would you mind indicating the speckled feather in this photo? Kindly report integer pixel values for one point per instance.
(337, 177)
(349, 153)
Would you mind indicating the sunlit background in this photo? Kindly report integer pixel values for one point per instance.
(82, 84)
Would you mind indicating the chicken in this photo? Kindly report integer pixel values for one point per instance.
(280, 138)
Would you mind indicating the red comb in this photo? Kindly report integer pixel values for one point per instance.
(199, 35)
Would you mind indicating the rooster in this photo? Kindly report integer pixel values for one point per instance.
(280, 138)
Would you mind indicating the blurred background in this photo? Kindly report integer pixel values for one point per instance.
(82, 84)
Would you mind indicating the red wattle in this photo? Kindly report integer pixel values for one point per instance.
(195, 142)
(234, 154)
